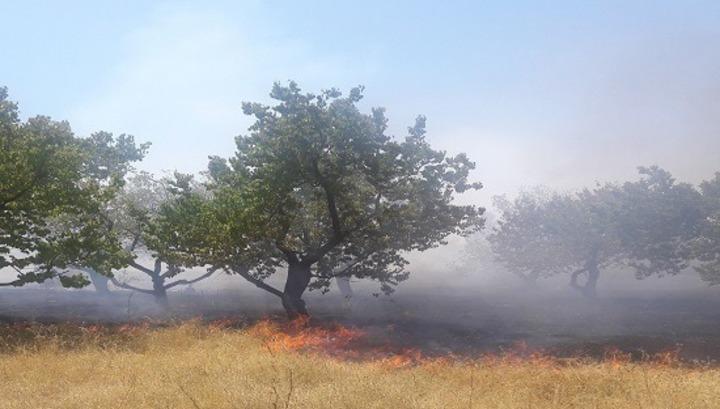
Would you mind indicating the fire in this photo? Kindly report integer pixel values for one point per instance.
(346, 343)
(299, 334)
(378, 345)
(354, 344)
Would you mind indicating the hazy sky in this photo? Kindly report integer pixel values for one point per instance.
(559, 93)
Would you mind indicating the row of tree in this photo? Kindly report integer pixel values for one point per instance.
(652, 226)
(316, 188)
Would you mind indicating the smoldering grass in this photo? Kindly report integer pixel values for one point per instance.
(220, 366)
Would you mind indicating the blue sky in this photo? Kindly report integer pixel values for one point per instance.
(556, 93)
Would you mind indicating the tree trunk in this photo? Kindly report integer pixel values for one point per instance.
(298, 278)
(590, 288)
(99, 281)
(159, 291)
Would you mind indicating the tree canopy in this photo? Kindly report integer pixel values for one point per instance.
(642, 225)
(318, 186)
(52, 186)
(140, 218)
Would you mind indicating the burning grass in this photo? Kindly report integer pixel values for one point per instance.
(226, 364)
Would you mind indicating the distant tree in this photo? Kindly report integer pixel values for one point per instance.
(52, 185)
(641, 225)
(318, 186)
(705, 246)
(142, 217)
(658, 216)
(530, 236)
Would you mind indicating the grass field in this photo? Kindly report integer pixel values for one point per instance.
(268, 365)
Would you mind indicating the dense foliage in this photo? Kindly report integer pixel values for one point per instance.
(138, 218)
(52, 187)
(319, 187)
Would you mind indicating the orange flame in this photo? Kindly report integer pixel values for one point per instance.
(300, 335)
(350, 343)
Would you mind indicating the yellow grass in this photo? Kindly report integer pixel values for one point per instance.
(195, 366)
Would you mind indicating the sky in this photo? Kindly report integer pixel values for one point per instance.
(535, 92)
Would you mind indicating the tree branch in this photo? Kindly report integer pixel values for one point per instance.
(344, 271)
(194, 280)
(338, 234)
(244, 273)
(15, 283)
(142, 268)
(130, 287)
(171, 271)
(324, 249)
(136, 239)
(330, 198)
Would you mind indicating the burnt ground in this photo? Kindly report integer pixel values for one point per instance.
(439, 321)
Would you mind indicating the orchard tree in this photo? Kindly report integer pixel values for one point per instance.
(658, 217)
(640, 225)
(52, 186)
(530, 236)
(705, 246)
(144, 218)
(318, 187)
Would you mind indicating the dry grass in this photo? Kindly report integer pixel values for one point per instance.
(199, 366)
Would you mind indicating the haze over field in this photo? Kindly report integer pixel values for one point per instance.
(329, 204)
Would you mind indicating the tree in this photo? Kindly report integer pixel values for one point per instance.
(658, 217)
(530, 237)
(52, 185)
(318, 187)
(141, 217)
(640, 225)
(705, 246)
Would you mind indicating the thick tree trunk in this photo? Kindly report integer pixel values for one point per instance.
(592, 272)
(99, 281)
(159, 291)
(298, 278)
(590, 288)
